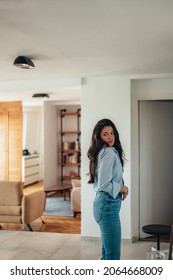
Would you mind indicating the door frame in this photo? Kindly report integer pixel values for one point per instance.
(135, 158)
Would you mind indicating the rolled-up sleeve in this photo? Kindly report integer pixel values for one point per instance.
(106, 179)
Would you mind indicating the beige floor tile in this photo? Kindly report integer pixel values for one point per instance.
(7, 254)
(55, 246)
(31, 255)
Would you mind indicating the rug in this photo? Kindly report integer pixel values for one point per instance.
(57, 206)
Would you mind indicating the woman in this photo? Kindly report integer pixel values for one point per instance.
(106, 173)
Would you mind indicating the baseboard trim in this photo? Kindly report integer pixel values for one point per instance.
(91, 238)
(95, 238)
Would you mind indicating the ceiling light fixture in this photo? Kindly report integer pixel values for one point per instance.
(24, 62)
(40, 95)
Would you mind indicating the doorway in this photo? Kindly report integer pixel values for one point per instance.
(155, 162)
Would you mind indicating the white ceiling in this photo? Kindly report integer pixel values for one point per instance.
(70, 39)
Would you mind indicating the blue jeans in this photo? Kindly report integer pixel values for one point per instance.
(106, 213)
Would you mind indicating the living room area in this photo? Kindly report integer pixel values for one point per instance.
(62, 211)
(53, 222)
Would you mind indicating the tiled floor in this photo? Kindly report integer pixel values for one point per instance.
(25, 245)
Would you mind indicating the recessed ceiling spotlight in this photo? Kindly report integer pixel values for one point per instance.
(23, 62)
(41, 95)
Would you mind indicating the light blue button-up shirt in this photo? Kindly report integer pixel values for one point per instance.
(109, 172)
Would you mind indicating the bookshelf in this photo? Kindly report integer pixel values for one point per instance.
(70, 160)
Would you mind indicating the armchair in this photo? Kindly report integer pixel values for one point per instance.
(15, 207)
(76, 196)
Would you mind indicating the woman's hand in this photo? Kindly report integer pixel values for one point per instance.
(124, 190)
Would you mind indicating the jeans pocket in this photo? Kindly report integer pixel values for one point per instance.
(98, 211)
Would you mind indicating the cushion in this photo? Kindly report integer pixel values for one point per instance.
(11, 193)
(10, 210)
(10, 219)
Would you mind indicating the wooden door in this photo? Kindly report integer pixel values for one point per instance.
(2, 144)
(11, 134)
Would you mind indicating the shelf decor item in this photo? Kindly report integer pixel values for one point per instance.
(70, 146)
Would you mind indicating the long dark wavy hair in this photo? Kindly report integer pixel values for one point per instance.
(97, 144)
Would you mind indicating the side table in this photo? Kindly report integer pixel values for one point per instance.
(157, 230)
(65, 188)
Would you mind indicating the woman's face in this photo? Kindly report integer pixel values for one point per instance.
(107, 135)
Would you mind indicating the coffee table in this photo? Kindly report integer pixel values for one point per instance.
(64, 188)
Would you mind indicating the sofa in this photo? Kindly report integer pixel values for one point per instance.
(15, 207)
(76, 197)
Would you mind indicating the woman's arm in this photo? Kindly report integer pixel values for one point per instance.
(106, 164)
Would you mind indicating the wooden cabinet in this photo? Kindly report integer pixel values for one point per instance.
(11, 141)
(31, 169)
(2, 144)
(70, 145)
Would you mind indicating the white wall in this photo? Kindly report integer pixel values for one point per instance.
(33, 132)
(50, 145)
(32, 128)
(104, 97)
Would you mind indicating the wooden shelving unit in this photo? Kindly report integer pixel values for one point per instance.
(70, 149)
